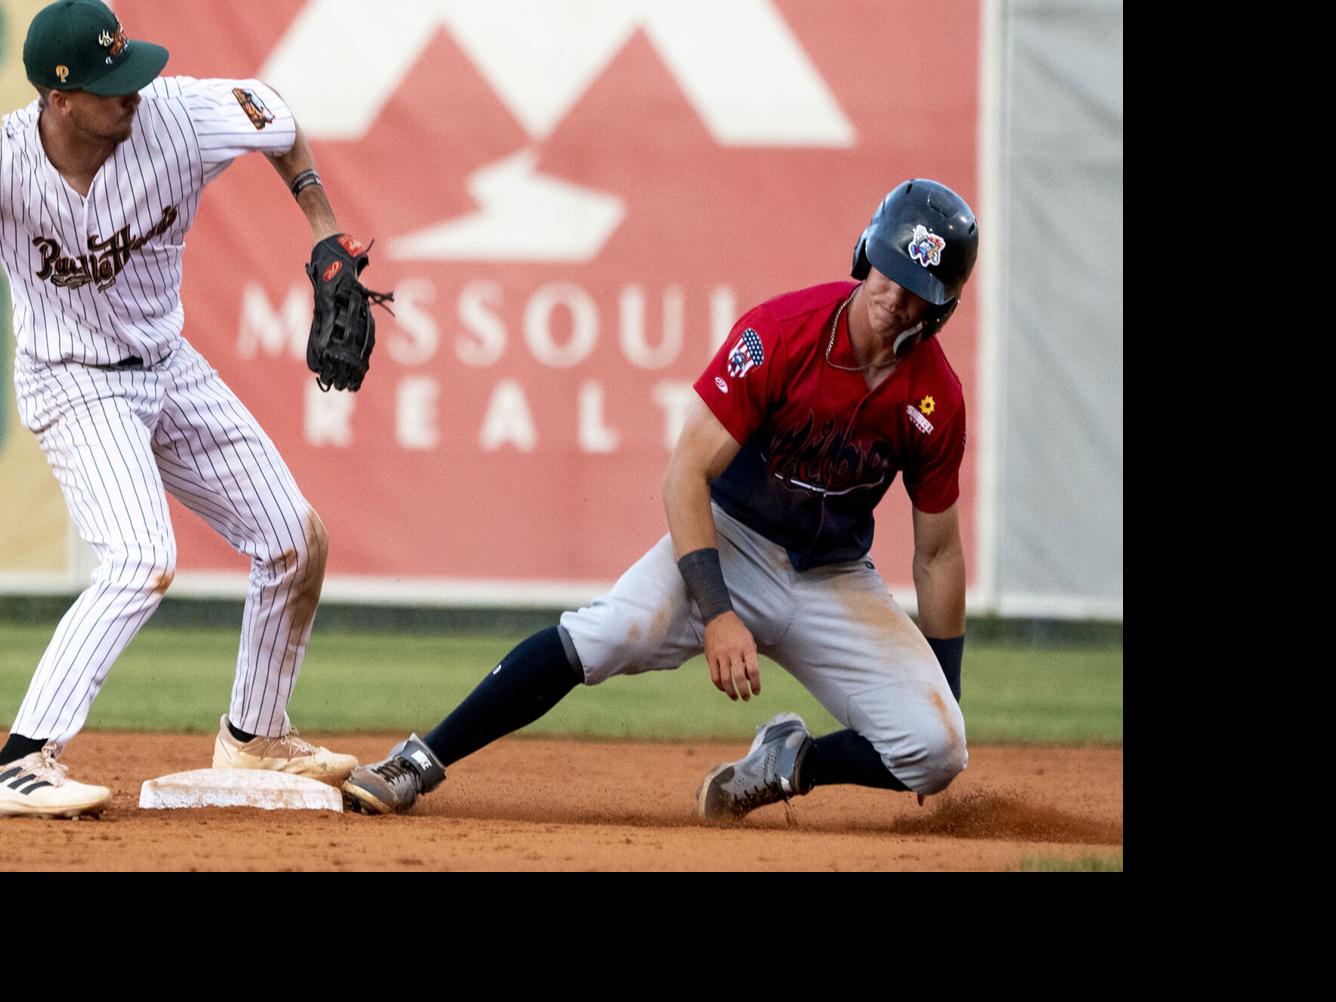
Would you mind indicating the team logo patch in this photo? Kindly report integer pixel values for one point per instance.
(920, 422)
(719, 382)
(926, 247)
(746, 355)
(254, 108)
(63, 72)
(927, 405)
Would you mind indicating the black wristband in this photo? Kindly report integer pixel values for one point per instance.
(949, 653)
(303, 180)
(705, 582)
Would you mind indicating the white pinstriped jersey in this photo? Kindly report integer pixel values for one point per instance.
(97, 279)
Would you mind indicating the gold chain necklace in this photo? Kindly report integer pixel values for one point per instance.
(834, 326)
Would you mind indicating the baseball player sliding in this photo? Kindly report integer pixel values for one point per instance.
(813, 405)
(100, 178)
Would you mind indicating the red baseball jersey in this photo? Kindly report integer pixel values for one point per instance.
(819, 449)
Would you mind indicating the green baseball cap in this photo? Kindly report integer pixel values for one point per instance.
(79, 45)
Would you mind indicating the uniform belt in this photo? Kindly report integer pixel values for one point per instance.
(133, 362)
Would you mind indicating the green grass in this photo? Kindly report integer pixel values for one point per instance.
(1082, 864)
(175, 679)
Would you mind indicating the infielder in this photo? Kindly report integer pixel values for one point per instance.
(100, 178)
(814, 403)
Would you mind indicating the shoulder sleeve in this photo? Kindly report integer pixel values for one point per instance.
(746, 376)
(10, 149)
(933, 483)
(232, 117)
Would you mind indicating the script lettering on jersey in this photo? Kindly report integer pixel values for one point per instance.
(105, 258)
(820, 458)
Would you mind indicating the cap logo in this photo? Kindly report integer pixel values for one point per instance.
(114, 42)
(926, 247)
(63, 72)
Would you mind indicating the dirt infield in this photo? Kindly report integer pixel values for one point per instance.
(569, 805)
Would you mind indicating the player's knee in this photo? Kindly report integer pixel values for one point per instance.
(317, 547)
(144, 568)
(300, 558)
(309, 570)
(942, 757)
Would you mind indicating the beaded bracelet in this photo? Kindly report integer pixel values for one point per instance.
(303, 180)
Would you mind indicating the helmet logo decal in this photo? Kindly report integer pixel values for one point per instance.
(926, 247)
(746, 355)
(927, 405)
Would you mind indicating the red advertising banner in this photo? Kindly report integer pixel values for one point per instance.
(573, 203)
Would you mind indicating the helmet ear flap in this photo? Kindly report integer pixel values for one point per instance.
(938, 318)
(862, 266)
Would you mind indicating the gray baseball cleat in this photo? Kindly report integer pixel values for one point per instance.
(768, 773)
(393, 784)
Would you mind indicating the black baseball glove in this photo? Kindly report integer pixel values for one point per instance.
(343, 331)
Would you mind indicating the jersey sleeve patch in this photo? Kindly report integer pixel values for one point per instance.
(253, 106)
(920, 422)
(746, 355)
(933, 480)
(742, 404)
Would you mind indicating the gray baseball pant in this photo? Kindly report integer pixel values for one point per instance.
(836, 629)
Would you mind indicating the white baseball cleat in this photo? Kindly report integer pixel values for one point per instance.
(36, 786)
(290, 753)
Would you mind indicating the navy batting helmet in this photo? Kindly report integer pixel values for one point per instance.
(923, 236)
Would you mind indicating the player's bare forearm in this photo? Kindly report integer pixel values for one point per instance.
(311, 199)
(939, 573)
(703, 451)
(686, 501)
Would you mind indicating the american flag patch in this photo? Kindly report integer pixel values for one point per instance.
(746, 355)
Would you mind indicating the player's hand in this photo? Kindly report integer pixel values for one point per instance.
(731, 653)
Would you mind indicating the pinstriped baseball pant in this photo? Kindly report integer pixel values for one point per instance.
(117, 439)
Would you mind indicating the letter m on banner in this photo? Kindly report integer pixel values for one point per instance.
(275, 331)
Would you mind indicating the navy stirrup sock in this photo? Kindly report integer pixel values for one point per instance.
(528, 682)
(238, 733)
(847, 757)
(18, 747)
